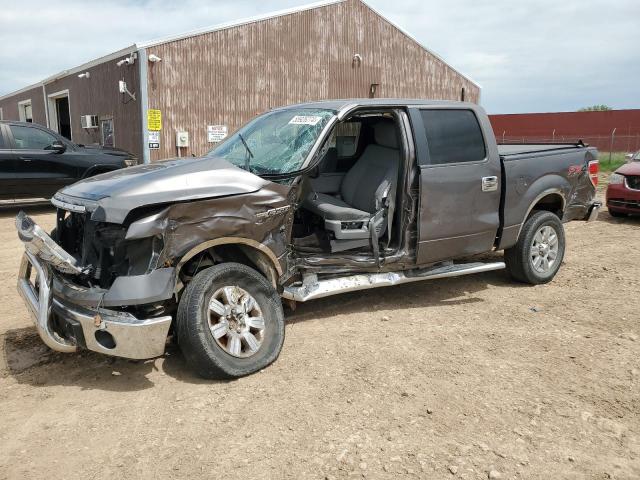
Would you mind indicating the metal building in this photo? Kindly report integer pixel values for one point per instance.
(191, 89)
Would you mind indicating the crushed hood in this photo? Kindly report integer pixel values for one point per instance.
(115, 194)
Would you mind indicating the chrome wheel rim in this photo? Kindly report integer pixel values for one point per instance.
(236, 322)
(544, 249)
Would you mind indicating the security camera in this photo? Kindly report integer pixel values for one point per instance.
(126, 61)
(154, 58)
(84, 75)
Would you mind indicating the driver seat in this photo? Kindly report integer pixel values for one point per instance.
(367, 194)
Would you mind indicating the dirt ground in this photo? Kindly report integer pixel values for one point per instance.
(472, 377)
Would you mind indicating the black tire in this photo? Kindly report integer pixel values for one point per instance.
(519, 257)
(203, 353)
(617, 214)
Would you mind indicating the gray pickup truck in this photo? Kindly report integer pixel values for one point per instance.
(302, 202)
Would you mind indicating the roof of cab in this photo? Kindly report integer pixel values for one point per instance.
(350, 103)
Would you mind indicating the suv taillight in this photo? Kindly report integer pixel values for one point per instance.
(594, 168)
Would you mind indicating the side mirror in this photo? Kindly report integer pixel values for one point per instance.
(57, 147)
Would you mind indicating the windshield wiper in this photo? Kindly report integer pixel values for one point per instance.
(247, 160)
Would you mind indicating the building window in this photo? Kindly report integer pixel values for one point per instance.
(106, 127)
(24, 111)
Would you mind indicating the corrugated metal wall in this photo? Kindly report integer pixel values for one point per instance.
(99, 95)
(595, 128)
(10, 105)
(96, 95)
(228, 76)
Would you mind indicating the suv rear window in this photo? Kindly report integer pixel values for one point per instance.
(453, 136)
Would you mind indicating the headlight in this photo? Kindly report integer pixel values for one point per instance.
(130, 162)
(616, 179)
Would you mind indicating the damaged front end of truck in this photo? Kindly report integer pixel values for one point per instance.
(109, 277)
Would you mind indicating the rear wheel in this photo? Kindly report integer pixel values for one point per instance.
(230, 322)
(537, 255)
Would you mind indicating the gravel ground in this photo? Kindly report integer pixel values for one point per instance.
(474, 377)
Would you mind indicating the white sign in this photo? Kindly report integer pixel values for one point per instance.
(216, 133)
(154, 140)
(305, 120)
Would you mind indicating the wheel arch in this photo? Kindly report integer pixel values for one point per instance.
(259, 256)
(97, 169)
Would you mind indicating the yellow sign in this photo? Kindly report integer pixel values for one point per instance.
(154, 120)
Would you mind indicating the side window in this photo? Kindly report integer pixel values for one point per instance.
(27, 138)
(453, 136)
(1, 139)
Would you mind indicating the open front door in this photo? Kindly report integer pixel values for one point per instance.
(459, 183)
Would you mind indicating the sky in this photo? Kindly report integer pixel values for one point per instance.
(528, 56)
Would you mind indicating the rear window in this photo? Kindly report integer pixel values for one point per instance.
(453, 136)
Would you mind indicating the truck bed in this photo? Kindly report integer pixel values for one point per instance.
(507, 149)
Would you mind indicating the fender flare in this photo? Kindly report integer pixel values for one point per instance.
(273, 265)
(536, 200)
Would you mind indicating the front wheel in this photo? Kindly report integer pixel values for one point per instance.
(230, 322)
(537, 255)
(617, 214)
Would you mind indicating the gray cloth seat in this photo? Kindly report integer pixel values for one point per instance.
(332, 208)
(368, 190)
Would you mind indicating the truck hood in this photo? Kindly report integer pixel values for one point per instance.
(111, 196)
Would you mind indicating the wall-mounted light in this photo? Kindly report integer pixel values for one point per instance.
(373, 89)
(154, 58)
(357, 60)
(84, 75)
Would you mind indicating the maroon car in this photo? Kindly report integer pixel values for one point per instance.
(623, 192)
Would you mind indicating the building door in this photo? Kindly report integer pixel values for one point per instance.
(64, 117)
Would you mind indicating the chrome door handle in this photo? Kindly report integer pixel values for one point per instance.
(489, 184)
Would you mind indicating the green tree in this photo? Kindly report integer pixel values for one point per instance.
(596, 108)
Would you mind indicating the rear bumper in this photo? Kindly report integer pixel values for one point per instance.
(594, 209)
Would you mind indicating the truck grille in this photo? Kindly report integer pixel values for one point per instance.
(633, 182)
(618, 202)
(102, 248)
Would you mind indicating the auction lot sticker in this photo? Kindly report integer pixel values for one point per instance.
(305, 120)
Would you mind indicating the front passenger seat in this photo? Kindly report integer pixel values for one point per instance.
(368, 194)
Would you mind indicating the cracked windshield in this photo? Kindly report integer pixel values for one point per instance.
(276, 142)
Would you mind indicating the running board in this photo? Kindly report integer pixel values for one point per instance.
(312, 288)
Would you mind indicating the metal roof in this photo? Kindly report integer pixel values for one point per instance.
(193, 33)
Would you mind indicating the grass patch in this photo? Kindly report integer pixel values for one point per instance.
(617, 159)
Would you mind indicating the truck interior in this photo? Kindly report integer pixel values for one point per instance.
(349, 199)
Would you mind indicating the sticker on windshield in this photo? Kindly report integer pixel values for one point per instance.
(305, 120)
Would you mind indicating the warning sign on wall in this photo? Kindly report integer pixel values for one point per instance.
(154, 120)
(216, 133)
(154, 140)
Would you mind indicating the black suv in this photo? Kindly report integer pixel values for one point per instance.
(36, 162)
